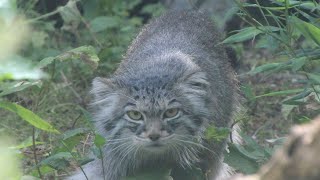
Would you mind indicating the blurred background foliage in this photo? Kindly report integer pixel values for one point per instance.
(51, 50)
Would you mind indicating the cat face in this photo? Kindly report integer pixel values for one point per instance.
(162, 114)
(154, 118)
(156, 121)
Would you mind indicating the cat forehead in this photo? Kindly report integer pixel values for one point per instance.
(151, 83)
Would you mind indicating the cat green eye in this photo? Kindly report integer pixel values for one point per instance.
(170, 113)
(135, 115)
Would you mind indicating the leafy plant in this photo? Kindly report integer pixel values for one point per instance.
(290, 30)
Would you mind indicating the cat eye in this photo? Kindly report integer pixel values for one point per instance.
(134, 115)
(170, 113)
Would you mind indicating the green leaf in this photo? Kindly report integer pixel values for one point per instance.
(45, 62)
(304, 120)
(102, 23)
(301, 95)
(298, 63)
(216, 133)
(154, 9)
(44, 170)
(265, 67)
(308, 30)
(85, 161)
(287, 109)
(71, 138)
(12, 87)
(70, 13)
(252, 149)
(57, 161)
(26, 143)
(243, 35)
(38, 38)
(281, 93)
(247, 90)
(249, 33)
(28, 116)
(70, 143)
(87, 54)
(74, 132)
(314, 77)
(240, 162)
(99, 140)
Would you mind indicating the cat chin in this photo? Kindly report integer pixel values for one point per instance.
(155, 147)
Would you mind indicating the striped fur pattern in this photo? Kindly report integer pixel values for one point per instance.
(174, 63)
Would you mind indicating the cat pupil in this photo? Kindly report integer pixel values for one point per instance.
(135, 115)
(171, 112)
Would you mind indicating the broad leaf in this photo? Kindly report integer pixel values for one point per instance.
(243, 35)
(239, 161)
(216, 134)
(298, 63)
(308, 30)
(12, 87)
(57, 161)
(102, 23)
(87, 54)
(28, 116)
(74, 132)
(99, 141)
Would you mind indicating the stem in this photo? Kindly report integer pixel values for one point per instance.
(90, 32)
(75, 121)
(44, 16)
(309, 59)
(64, 144)
(34, 152)
(287, 21)
(261, 11)
(258, 27)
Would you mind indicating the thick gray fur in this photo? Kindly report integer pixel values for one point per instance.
(175, 57)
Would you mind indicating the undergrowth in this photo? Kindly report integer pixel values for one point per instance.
(49, 56)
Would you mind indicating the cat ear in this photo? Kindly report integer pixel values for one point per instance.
(102, 88)
(195, 88)
(196, 81)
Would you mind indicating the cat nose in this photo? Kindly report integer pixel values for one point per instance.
(154, 136)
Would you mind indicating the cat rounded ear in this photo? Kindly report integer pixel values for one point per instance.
(194, 85)
(102, 87)
(196, 80)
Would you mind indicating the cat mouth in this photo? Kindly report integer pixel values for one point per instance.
(155, 144)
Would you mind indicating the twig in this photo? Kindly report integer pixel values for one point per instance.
(71, 88)
(75, 121)
(85, 143)
(34, 152)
